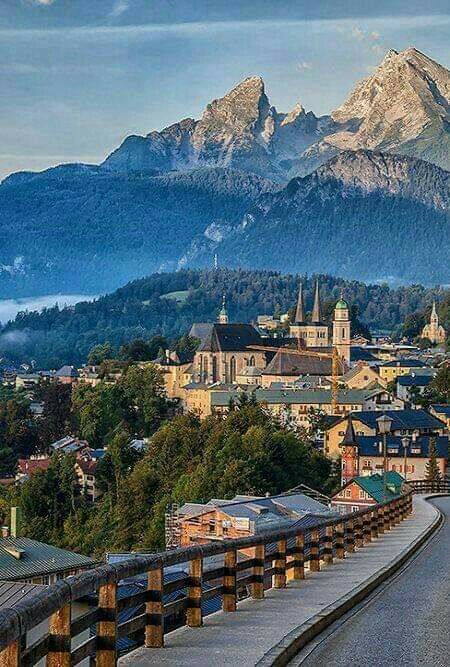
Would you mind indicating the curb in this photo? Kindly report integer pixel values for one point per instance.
(281, 654)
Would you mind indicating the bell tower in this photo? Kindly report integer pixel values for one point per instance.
(341, 329)
(223, 315)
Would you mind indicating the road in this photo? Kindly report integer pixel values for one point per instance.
(405, 623)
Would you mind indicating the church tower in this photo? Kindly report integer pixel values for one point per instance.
(223, 315)
(341, 330)
(350, 458)
(434, 331)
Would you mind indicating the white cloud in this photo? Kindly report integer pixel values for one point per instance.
(304, 64)
(46, 3)
(119, 8)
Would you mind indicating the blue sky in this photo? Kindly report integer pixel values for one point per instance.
(77, 76)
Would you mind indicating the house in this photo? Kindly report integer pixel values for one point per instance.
(71, 445)
(27, 560)
(361, 376)
(66, 375)
(28, 467)
(363, 492)
(27, 380)
(442, 412)
(404, 422)
(244, 516)
(175, 374)
(392, 369)
(409, 386)
(85, 472)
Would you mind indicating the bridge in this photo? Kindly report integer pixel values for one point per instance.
(279, 590)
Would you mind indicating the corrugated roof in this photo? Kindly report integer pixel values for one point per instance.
(374, 485)
(38, 559)
(12, 592)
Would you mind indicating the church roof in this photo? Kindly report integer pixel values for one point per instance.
(299, 313)
(216, 337)
(315, 317)
(341, 305)
(290, 363)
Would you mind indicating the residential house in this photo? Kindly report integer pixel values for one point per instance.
(28, 467)
(392, 369)
(71, 445)
(404, 423)
(409, 386)
(85, 472)
(27, 380)
(361, 376)
(66, 375)
(363, 492)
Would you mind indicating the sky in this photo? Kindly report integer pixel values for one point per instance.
(78, 76)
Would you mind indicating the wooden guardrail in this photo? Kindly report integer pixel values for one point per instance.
(426, 486)
(276, 555)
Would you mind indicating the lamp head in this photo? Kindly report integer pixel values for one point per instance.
(384, 424)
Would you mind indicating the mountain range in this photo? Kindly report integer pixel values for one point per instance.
(363, 192)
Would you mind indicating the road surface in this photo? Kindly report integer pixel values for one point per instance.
(405, 623)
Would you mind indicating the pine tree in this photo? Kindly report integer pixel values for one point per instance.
(432, 473)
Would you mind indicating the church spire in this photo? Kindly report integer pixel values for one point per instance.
(299, 314)
(223, 315)
(349, 437)
(316, 310)
(434, 315)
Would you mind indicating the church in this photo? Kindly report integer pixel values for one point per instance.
(314, 335)
(434, 331)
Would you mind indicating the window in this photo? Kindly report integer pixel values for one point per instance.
(232, 369)
(214, 369)
(251, 361)
(362, 495)
(348, 493)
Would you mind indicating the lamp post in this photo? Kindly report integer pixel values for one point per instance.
(384, 424)
(405, 443)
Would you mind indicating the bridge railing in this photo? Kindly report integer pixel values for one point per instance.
(430, 486)
(265, 560)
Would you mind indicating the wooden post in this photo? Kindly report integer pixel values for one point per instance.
(374, 524)
(107, 626)
(154, 609)
(257, 586)
(380, 520)
(59, 640)
(314, 562)
(194, 610)
(366, 528)
(340, 549)
(359, 541)
(397, 518)
(229, 581)
(11, 655)
(350, 540)
(387, 523)
(297, 571)
(328, 548)
(279, 579)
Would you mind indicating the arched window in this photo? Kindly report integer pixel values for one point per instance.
(232, 369)
(205, 368)
(200, 369)
(214, 369)
(251, 361)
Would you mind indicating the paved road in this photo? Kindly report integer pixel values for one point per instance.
(407, 623)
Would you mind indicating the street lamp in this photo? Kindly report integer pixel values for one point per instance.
(405, 443)
(384, 424)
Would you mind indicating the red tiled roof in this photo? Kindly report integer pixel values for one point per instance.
(30, 466)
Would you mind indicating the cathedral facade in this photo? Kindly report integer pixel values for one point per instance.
(434, 331)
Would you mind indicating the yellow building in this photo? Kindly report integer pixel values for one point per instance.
(361, 376)
(393, 369)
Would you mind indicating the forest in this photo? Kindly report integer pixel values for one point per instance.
(167, 304)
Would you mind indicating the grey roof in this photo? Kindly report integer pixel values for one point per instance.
(414, 380)
(402, 419)
(288, 362)
(234, 337)
(67, 371)
(359, 353)
(38, 559)
(292, 396)
(12, 592)
(403, 363)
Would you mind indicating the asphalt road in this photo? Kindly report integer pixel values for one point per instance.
(405, 623)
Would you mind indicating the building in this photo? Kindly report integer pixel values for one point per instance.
(28, 467)
(434, 331)
(27, 380)
(341, 330)
(224, 351)
(442, 412)
(310, 334)
(244, 516)
(66, 375)
(364, 455)
(288, 366)
(175, 374)
(361, 376)
(85, 472)
(71, 445)
(27, 560)
(404, 423)
(409, 386)
(363, 492)
(391, 370)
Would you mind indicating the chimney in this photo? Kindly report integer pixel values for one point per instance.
(15, 521)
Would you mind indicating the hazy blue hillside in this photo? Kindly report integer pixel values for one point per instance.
(79, 228)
